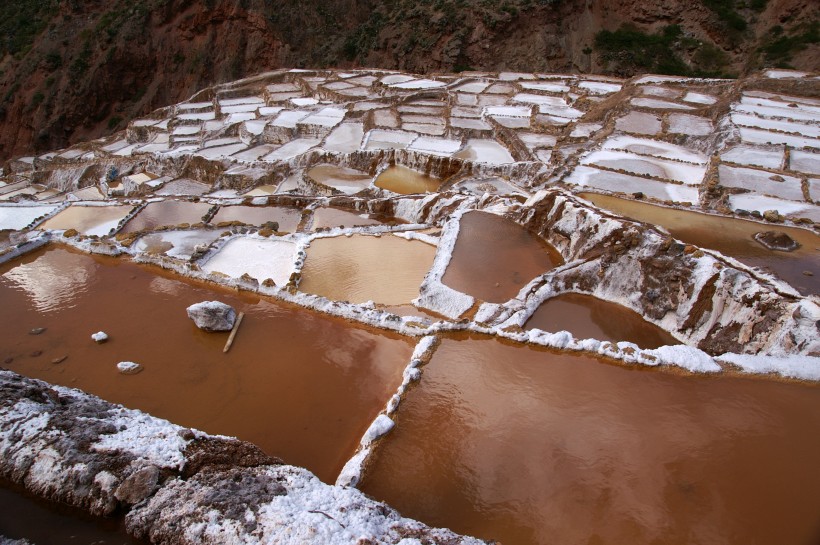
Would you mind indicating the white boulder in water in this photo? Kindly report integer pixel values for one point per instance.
(212, 316)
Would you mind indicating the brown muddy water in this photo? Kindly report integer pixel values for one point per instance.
(158, 214)
(346, 180)
(302, 386)
(530, 446)
(588, 317)
(88, 220)
(333, 217)
(729, 236)
(287, 218)
(361, 268)
(22, 516)
(494, 257)
(405, 181)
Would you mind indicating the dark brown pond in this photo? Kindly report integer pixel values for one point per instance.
(729, 236)
(334, 217)
(588, 317)
(300, 385)
(287, 218)
(494, 257)
(529, 446)
(22, 516)
(158, 214)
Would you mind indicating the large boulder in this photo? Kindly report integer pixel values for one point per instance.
(212, 316)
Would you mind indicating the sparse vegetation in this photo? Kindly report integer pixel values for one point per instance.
(779, 48)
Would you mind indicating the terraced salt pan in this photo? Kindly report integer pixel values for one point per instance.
(802, 161)
(168, 212)
(760, 181)
(508, 111)
(287, 218)
(89, 220)
(220, 152)
(651, 166)
(548, 87)
(183, 130)
(556, 106)
(473, 87)
(699, 98)
(760, 136)
(328, 218)
(762, 203)
(425, 128)
(179, 244)
(199, 116)
(405, 181)
(804, 109)
(435, 146)
(658, 104)
(16, 217)
(418, 84)
(380, 139)
(747, 120)
(485, 151)
(690, 125)
(599, 87)
(639, 123)
(241, 101)
(240, 109)
(346, 138)
(657, 148)
(754, 156)
(292, 149)
(585, 176)
(255, 153)
(534, 140)
(346, 180)
(260, 258)
(326, 117)
(386, 270)
(289, 118)
(469, 123)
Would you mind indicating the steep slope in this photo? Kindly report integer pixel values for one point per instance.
(76, 69)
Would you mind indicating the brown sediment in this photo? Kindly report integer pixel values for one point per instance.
(730, 236)
(360, 268)
(494, 257)
(532, 446)
(588, 317)
(400, 179)
(302, 386)
(158, 214)
(345, 179)
(287, 218)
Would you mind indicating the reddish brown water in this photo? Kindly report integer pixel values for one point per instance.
(729, 236)
(88, 220)
(157, 214)
(288, 218)
(386, 269)
(400, 179)
(494, 257)
(300, 385)
(47, 523)
(333, 217)
(532, 447)
(588, 317)
(344, 179)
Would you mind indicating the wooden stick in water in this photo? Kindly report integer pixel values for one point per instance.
(233, 332)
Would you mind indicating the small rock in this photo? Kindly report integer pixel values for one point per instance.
(61, 359)
(99, 337)
(773, 216)
(212, 315)
(129, 367)
(70, 233)
(36, 353)
(808, 273)
(777, 240)
(689, 249)
(36, 331)
(8, 360)
(138, 486)
(638, 195)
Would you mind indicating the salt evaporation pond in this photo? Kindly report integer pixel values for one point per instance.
(729, 236)
(327, 217)
(494, 257)
(588, 317)
(287, 218)
(158, 214)
(258, 257)
(346, 180)
(179, 244)
(530, 446)
(89, 220)
(302, 386)
(405, 181)
(51, 523)
(361, 268)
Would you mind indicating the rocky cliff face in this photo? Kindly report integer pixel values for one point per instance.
(76, 69)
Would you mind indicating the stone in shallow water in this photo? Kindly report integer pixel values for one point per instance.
(129, 367)
(212, 315)
(777, 240)
(99, 337)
